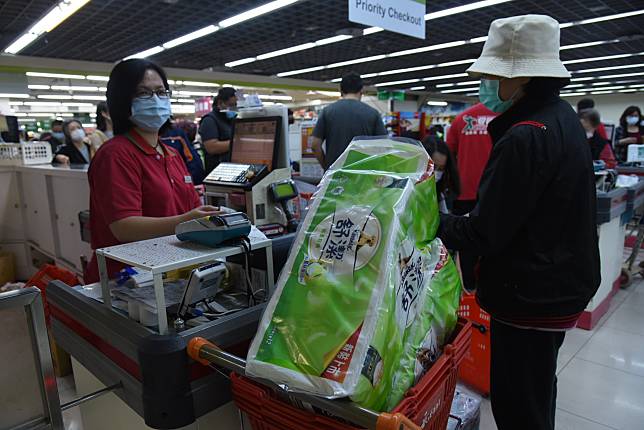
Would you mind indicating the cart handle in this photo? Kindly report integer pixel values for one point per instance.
(395, 422)
(194, 349)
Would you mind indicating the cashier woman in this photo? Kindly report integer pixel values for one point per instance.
(139, 187)
(215, 128)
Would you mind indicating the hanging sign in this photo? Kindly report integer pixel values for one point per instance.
(401, 16)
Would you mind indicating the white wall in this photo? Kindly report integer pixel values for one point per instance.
(611, 106)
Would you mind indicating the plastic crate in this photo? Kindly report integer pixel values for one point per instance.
(45, 275)
(17, 154)
(475, 369)
(427, 404)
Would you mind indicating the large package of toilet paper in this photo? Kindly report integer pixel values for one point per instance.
(357, 279)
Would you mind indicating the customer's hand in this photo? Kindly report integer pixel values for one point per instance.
(628, 140)
(62, 159)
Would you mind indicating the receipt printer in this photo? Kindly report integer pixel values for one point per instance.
(215, 229)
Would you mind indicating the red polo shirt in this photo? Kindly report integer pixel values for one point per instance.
(128, 177)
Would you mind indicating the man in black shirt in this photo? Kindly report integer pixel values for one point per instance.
(215, 128)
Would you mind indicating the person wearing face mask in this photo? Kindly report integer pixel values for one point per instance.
(448, 183)
(76, 149)
(599, 147)
(629, 132)
(534, 225)
(55, 137)
(216, 130)
(104, 130)
(139, 187)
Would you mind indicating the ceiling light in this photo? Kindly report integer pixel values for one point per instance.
(404, 81)
(607, 57)
(54, 75)
(429, 48)
(26, 119)
(628, 91)
(97, 78)
(240, 62)
(42, 104)
(440, 77)
(13, 96)
(366, 75)
(618, 87)
(600, 83)
(433, 103)
(600, 92)
(621, 75)
(355, 61)
(468, 83)
(42, 114)
(200, 84)
(333, 39)
(55, 96)
(185, 101)
(587, 44)
(460, 90)
(146, 53)
(255, 12)
(636, 86)
(444, 85)
(297, 72)
(193, 93)
(88, 97)
(12, 103)
(47, 23)
(583, 79)
(274, 97)
(461, 9)
(38, 87)
(604, 69)
(330, 93)
(73, 88)
(417, 88)
(286, 51)
(75, 104)
(573, 94)
(191, 36)
(602, 18)
(372, 30)
(332, 80)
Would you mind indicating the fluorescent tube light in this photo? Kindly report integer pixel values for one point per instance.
(200, 84)
(604, 69)
(606, 57)
(460, 90)
(88, 97)
(75, 104)
(275, 97)
(42, 104)
(191, 36)
(13, 96)
(47, 23)
(333, 39)
(404, 81)
(55, 96)
(54, 75)
(286, 51)
(146, 53)
(621, 75)
(602, 18)
(600, 92)
(434, 103)
(440, 77)
(97, 78)
(355, 61)
(464, 8)
(297, 72)
(73, 88)
(255, 12)
(38, 87)
(240, 62)
(573, 94)
(372, 30)
(417, 88)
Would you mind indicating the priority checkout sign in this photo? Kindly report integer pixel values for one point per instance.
(402, 16)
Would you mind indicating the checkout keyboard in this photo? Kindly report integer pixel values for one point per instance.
(236, 174)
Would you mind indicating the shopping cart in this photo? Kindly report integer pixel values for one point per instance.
(426, 406)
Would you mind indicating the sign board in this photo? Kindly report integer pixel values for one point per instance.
(391, 95)
(401, 16)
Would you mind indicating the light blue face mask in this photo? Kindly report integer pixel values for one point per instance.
(231, 114)
(150, 113)
(489, 96)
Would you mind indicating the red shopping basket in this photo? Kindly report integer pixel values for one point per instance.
(475, 369)
(45, 275)
(427, 404)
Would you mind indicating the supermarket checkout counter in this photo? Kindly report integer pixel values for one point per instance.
(154, 383)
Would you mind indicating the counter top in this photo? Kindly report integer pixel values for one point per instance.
(75, 170)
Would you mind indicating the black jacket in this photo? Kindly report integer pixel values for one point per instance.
(75, 156)
(535, 224)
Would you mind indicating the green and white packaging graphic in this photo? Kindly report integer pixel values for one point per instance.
(338, 317)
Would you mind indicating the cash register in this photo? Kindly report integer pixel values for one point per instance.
(259, 159)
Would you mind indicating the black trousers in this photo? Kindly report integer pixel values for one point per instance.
(523, 380)
(468, 261)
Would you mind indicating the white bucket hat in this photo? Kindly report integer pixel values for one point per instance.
(521, 46)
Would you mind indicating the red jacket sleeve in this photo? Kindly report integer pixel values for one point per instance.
(601, 130)
(453, 134)
(608, 157)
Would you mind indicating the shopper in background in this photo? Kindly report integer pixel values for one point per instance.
(534, 224)
(216, 130)
(469, 141)
(139, 187)
(599, 147)
(104, 130)
(179, 140)
(588, 104)
(343, 120)
(55, 137)
(448, 183)
(76, 149)
(629, 132)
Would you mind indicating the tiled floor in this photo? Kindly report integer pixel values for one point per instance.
(601, 372)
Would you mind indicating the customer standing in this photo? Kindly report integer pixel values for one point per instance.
(448, 183)
(589, 104)
(343, 120)
(629, 132)
(76, 149)
(470, 143)
(104, 130)
(599, 147)
(139, 187)
(534, 224)
(216, 129)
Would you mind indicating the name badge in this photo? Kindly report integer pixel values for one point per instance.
(188, 179)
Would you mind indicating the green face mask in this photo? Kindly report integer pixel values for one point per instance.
(489, 96)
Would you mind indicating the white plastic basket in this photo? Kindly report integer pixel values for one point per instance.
(17, 154)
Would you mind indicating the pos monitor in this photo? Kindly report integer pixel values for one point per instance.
(255, 141)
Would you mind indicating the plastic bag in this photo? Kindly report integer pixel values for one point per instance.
(331, 310)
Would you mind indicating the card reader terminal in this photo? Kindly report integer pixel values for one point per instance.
(215, 229)
(237, 174)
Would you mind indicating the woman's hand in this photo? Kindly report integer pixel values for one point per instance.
(201, 212)
(62, 159)
(628, 140)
